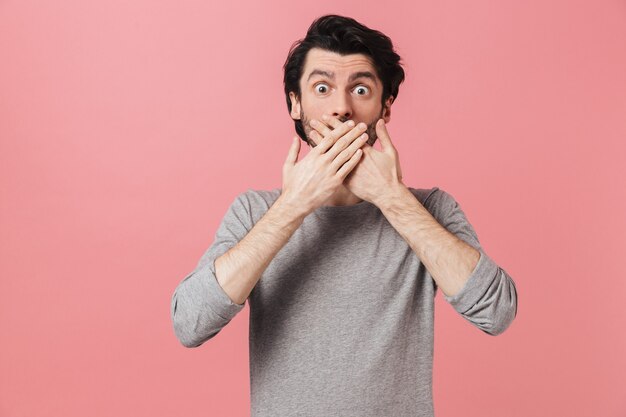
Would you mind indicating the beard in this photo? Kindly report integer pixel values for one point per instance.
(371, 128)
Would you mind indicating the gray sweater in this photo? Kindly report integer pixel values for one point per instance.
(342, 319)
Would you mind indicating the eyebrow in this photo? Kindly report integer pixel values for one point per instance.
(353, 76)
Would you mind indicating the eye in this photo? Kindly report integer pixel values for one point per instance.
(362, 90)
(321, 88)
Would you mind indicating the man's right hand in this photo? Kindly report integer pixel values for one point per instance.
(308, 183)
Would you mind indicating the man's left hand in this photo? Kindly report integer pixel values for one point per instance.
(378, 173)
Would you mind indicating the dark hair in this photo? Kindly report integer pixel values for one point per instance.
(344, 36)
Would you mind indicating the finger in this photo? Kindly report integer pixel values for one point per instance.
(331, 121)
(330, 138)
(356, 134)
(316, 137)
(294, 150)
(348, 166)
(358, 144)
(320, 127)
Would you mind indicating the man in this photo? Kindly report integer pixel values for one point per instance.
(341, 265)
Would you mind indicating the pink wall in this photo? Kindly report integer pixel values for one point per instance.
(127, 128)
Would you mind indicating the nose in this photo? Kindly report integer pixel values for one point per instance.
(342, 106)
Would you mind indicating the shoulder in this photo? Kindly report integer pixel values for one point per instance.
(423, 194)
(437, 201)
(260, 199)
(256, 202)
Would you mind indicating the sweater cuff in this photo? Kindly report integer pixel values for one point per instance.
(218, 300)
(477, 284)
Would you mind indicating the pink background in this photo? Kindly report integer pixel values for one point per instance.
(127, 128)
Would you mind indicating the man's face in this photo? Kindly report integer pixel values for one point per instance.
(345, 87)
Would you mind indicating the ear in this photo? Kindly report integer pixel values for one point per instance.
(387, 109)
(295, 106)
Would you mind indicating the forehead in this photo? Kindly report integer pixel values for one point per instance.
(341, 65)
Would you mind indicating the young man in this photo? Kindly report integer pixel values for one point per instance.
(341, 265)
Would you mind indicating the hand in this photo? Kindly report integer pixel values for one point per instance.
(378, 172)
(307, 184)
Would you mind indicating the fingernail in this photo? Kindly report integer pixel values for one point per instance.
(324, 117)
(351, 123)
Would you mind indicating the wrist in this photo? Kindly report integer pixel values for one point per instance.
(289, 209)
(394, 192)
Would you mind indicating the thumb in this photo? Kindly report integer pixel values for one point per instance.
(294, 150)
(383, 135)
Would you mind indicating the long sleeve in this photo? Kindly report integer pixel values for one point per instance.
(488, 299)
(200, 308)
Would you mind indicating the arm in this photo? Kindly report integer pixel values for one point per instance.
(239, 269)
(203, 303)
(447, 258)
(208, 298)
(472, 282)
